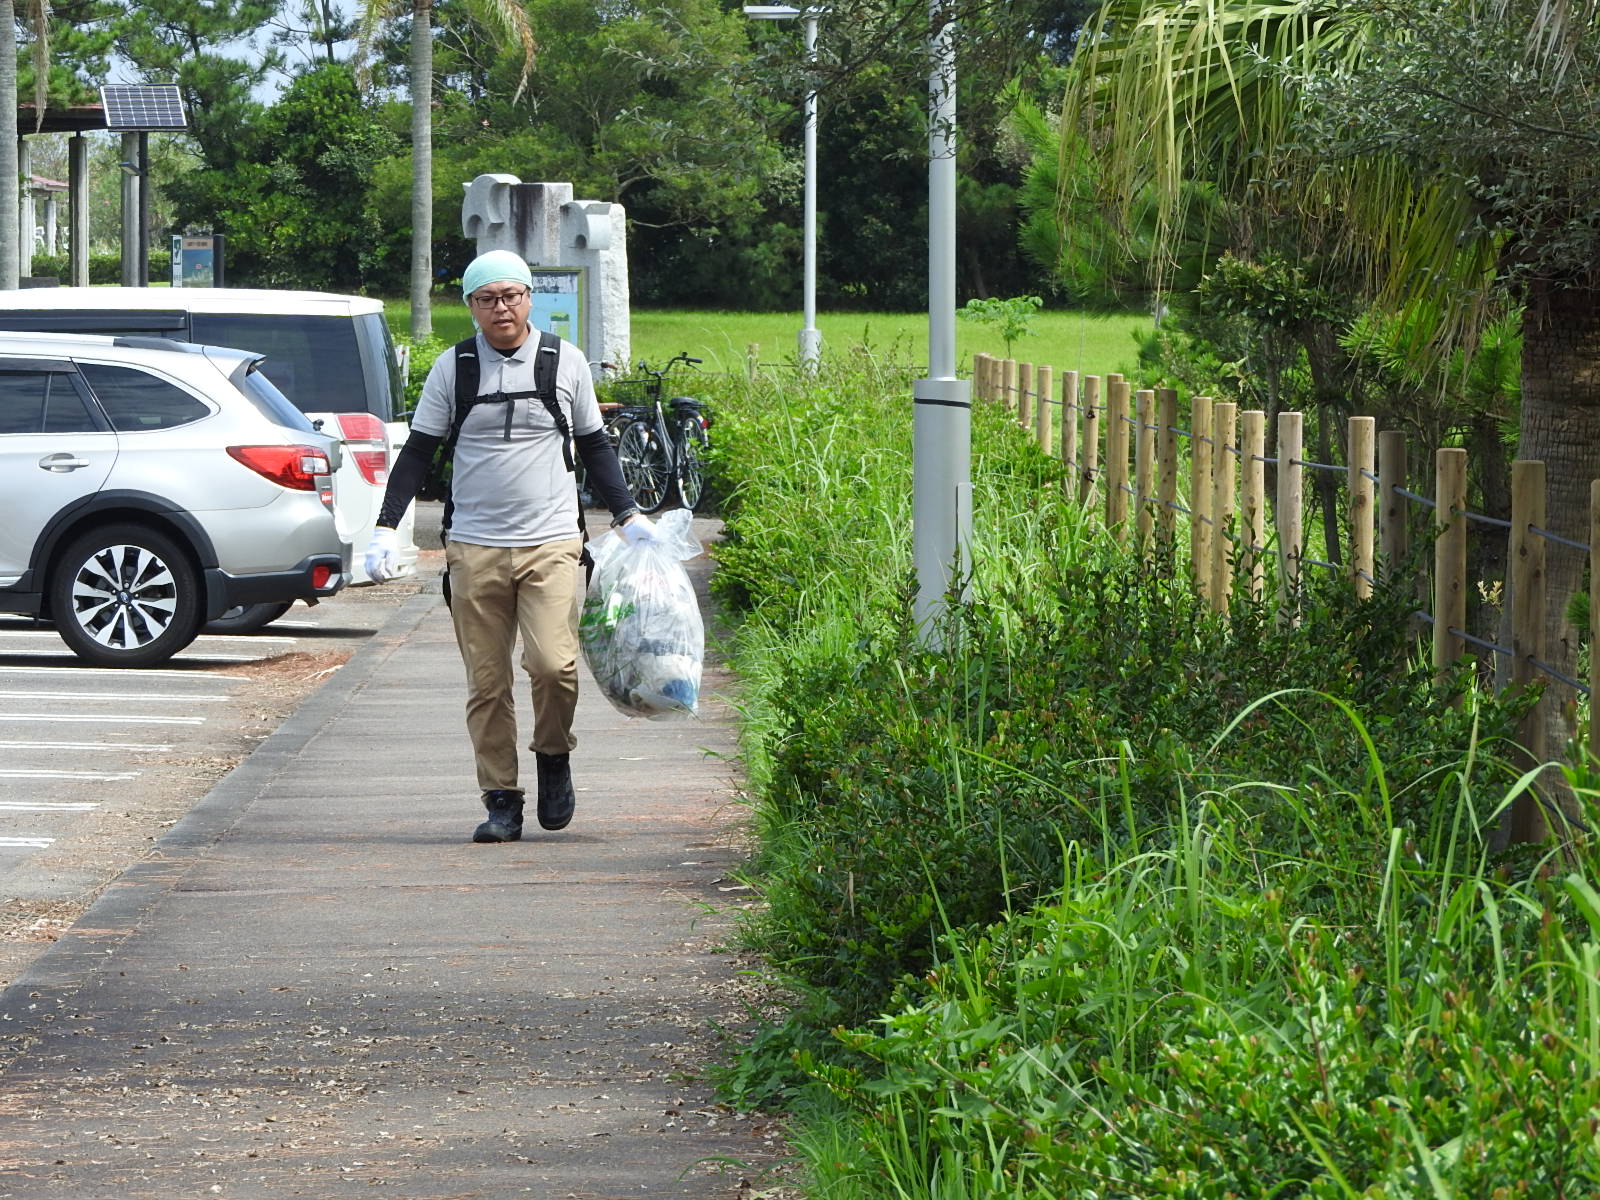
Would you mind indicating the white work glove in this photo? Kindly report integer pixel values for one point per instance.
(638, 530)
(383, 555)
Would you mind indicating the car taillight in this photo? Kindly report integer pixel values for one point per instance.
(365, 436)
(295, 467)
(320, 575)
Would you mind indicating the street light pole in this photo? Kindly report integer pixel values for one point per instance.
(941, 504)
(810, 339)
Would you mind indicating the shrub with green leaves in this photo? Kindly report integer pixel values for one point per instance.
(1114, 896)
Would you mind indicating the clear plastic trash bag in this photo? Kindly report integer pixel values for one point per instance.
(641, 631)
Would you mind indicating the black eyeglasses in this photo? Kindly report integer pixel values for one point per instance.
(510, 299)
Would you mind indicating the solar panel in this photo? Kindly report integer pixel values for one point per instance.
(143, 107)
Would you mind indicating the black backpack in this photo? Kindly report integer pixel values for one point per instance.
(546, 362)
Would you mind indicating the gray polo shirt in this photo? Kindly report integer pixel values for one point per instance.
(511, 486)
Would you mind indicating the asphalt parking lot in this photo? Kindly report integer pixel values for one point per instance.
(95, 764)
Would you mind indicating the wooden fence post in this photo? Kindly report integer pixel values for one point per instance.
(1166, 468)
(1044, 393)
(1025, 394)
(1449, 558)
(1008, 383)
(1394, 533)
(1117, 460)
(1200, 487)
(1363, 462)
(752, 360)
(1069, 425)
(1527, 567)
(1253, 506)
(1144, 464)
(980, 376)
(1290, 514)
(1224, 469)
(1091, 437)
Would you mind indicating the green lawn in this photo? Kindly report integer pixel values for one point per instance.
(1093, 343)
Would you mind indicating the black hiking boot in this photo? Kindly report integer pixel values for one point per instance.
(556, 800)
(504, 823)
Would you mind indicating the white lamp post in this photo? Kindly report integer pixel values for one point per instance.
(810, 339)
(941, 503)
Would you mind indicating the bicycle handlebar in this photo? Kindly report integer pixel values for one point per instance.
(682, 357)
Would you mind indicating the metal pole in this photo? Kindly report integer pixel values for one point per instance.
(810, 339)
(144, 211)
(942, 421)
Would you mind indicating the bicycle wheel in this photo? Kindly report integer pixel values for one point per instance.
(692, 445)
(644, 465)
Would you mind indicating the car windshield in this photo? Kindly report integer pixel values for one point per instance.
(269, 401)
(314, 361)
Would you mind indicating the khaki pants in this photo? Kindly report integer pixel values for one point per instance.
(495, 591)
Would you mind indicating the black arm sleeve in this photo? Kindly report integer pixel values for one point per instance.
(405, 476)
(605, 474)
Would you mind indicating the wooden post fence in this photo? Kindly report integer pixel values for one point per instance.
(1166, 468)
(1449, 558)
(1091, 438)
(1362, 458)
(1008, 383)
(1044, 393)
(1224, 468)
(1200, 487)
(1144, 465)
(1025, 394)
(1290, 513)
(1253, 502)
(1117, 459)
(1069, 427)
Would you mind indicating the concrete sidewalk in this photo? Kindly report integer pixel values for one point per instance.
(317, 987)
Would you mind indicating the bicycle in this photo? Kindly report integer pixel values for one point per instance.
(661, 444)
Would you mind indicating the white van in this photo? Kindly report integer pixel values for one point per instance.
(331, 355)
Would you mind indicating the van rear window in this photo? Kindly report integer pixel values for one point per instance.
(314, 361)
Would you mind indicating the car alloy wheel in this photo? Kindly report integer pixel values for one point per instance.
(125, 596)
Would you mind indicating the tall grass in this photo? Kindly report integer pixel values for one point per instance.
(1116, 897)
(1092, 342)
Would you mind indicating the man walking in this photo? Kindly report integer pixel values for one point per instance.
(512, 535)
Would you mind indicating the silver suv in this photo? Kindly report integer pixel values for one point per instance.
(149, 486)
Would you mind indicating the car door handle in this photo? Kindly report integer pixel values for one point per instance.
(62, 462)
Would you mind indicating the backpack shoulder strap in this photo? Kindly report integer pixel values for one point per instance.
(467, 376)
(546, 366)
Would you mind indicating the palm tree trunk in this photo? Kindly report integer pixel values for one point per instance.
(421, 168)
(10, 185)
(1561, 426)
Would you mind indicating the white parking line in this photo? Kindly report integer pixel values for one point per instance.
(82, 776)
(31, 843)
(252, 638)
(134, 747)
(109, 719)
(109, 696)
(121, 673)
(46, 806)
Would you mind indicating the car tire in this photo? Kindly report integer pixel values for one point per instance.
(125, 596)
(248, 618)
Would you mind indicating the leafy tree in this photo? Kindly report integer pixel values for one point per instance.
(10, 194)
(1011, 316)
(299, 215)
(186, 42)
(505, 16)
(1437, 156)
